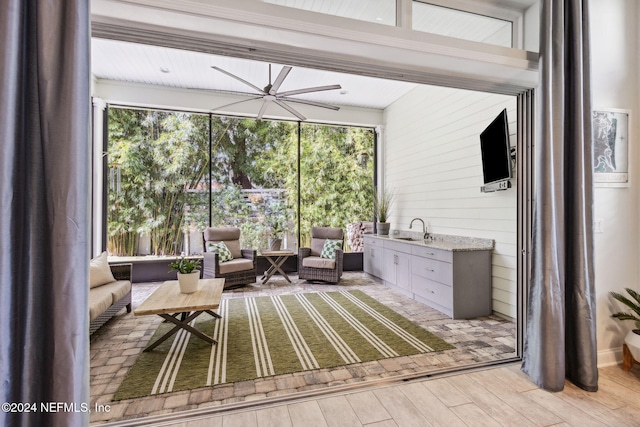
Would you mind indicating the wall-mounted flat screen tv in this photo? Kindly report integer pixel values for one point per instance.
(496, 150)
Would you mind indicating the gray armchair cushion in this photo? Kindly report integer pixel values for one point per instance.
(317, 262)
(229, 235)
(235, 265)
(320, 234)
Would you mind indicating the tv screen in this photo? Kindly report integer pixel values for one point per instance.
(496, 150)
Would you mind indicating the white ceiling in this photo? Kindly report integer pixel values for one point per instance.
(128, 62)
(153, 65)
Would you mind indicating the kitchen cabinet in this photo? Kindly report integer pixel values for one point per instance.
(373, 258)
(455, 281)
(397, 264)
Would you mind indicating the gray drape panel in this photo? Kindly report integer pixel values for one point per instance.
(44, 135)
(560, 336)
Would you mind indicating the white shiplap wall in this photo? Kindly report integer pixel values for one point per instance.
(432, 160)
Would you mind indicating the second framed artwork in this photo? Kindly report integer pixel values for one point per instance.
(611, 147)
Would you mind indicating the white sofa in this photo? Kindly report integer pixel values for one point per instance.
(109, 291)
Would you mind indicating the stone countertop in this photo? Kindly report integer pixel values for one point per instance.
(438, 241)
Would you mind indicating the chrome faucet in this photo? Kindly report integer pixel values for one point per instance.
(424, 227)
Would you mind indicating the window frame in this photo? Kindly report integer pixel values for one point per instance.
(210, 115)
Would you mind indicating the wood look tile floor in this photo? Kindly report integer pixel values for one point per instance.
(501, 396)
(116, 346)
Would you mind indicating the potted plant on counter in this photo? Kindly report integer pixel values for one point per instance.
(188, 274)
(631, 346)
(382, 202)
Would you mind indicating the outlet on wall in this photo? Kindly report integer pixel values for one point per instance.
(597, 225)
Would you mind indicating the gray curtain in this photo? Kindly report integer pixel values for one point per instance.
(560, 336)
(44, 135)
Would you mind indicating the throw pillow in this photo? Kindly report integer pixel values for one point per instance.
(329, 248)
(99, 271)
(224, 254)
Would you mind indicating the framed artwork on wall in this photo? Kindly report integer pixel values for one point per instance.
(611, 147)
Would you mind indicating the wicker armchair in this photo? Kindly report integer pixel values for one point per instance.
(241, 270)
(314, 268)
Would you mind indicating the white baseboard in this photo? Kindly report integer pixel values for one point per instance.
(609, 357)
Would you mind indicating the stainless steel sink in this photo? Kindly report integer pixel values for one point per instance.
(410, 239)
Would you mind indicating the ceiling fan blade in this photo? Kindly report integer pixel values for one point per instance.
(238, 78)
(314, 103)
(283, 75)
(309, 89)
(237, 102)
(290, 109)
(265, 104)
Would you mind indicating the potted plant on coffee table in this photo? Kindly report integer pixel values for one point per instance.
(631, 347)
(382, 201)
(188, 273)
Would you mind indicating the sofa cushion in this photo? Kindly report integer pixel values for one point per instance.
(100, 299)
(220, 248)
(99, 271)
(317, 262)
(118, 289)
(235, 265)
(330, 247)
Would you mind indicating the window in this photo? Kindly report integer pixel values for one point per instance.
(336, 166)
(157, 162)
(253, 179)
(378, 11)
(172, 174)
(460, 24)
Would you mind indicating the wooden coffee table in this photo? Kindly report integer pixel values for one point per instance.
(276, 258)
(168, 302)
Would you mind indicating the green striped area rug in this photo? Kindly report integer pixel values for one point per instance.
(264, 336)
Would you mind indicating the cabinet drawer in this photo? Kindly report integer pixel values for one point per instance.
(432, 291)
(398, 246)
(427, 252)
(372, 241)
(432, 269)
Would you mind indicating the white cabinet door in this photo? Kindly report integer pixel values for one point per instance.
(403, 270)
(397, 268)
(389, 266)
(367, 264)
(377, 262)
(373, 261)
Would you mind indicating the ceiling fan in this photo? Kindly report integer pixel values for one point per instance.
(270, 93)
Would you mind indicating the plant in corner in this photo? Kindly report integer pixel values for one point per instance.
(188, 273)
(382, 202)
(631, 347)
